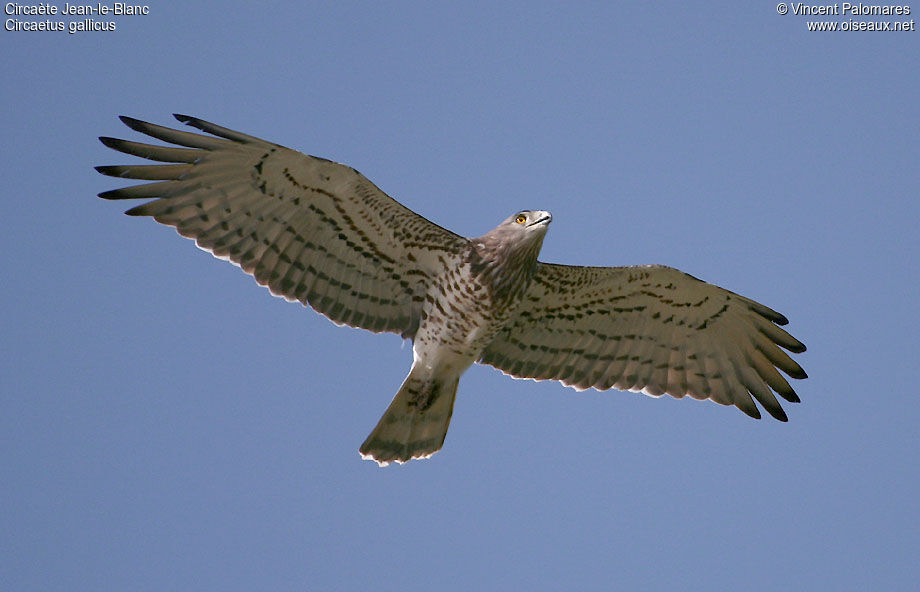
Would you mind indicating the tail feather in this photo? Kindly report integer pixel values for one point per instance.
(416, 422)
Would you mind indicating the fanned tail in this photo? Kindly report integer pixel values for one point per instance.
(416, 422)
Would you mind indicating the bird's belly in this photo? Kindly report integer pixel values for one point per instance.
(454, 332)
(451, 344)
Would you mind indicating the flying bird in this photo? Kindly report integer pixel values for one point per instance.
(319, 232)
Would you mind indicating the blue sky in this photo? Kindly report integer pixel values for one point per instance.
(167, 424)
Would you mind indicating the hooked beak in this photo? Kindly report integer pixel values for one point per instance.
(543, 218)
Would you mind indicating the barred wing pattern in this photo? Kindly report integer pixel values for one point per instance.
(652, 329)
(307, 228)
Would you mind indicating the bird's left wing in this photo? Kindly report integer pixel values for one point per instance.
(652, 329)
(307, 228)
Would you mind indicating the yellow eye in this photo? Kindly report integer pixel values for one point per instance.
(521, 218)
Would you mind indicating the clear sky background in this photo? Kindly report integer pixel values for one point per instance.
(165, 424)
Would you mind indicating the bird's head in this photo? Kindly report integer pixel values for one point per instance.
(529, 221)
(507, 254)
(522, 231)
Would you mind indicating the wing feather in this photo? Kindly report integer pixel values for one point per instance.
(150, 151)
(305, 227)
(651, 329)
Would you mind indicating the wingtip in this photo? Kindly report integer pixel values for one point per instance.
(135, 124)
(778, 414)
(796, 372)
(767, 312)
(199, 124)
(137, 211)
(110, 142)
(795, 346)
(775, 411)
(111, 194)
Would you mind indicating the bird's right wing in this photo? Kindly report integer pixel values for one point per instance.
(307, 228)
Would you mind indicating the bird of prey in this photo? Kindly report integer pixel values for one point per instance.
(319, 232)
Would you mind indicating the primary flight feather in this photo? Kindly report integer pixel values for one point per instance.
(319, 232)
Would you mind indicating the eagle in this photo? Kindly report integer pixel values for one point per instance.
(319, 232)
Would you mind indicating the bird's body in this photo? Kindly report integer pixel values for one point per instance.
(319, 232)
(464, 309)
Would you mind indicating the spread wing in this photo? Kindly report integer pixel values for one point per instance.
(652, 329)
(307, 228)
